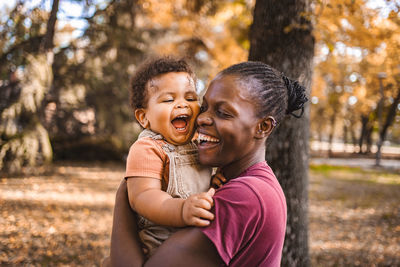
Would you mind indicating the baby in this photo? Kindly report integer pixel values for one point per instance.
(166, 185)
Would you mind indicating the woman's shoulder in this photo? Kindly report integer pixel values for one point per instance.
(253, 188)
(260, 169)
(245, 186)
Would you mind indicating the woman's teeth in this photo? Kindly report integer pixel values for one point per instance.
(206, 138)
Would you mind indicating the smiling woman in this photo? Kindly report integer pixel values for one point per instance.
(240, 109)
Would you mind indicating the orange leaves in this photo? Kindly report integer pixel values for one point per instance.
(213, 33)
(355, 42)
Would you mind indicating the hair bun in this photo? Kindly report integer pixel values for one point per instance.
(296, 96)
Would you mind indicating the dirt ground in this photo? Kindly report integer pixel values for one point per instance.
(63, 217)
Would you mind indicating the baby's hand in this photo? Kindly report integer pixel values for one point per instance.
(218, 180)
(196, 208)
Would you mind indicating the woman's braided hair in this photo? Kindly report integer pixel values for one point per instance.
(275, 94)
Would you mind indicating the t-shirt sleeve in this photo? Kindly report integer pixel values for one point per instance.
(145, 159)
(237, 216)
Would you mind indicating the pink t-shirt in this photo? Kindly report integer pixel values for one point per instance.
(250, 219)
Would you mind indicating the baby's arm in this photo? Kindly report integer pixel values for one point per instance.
(147, 198)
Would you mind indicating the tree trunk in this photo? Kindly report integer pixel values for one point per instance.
(364, 122)
(24, 141)
(352, 132)
(368, 138)
(48, 40)
(281, 36)
(389, 121)
(345, 137)
(331, 133)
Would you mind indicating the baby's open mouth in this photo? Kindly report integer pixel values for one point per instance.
(180, 122)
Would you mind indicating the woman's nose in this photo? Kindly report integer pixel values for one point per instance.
(203, 119)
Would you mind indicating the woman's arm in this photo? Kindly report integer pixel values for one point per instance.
(187, 247)
(125, 243)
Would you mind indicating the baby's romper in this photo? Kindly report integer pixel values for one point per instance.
(186, 177)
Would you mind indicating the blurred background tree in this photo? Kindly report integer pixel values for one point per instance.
(357, 69)
(282, 36)
(24, 140)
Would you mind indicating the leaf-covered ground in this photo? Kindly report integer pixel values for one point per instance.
(59, 219)
(354, 217)
(63, 217)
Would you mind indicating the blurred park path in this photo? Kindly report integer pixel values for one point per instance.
(337, 147)
(347, 155)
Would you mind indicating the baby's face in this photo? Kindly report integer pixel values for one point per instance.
(172, 107)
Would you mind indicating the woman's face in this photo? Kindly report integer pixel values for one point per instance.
(227, 125)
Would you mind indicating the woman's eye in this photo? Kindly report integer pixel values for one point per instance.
(223, 114)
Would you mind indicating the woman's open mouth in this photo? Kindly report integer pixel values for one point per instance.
(181, 123)
(207, 140)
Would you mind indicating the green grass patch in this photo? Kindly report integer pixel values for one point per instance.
(356, 174)
(325, 169)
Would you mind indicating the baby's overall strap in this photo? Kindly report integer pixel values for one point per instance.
(151, 134)
(158, 138)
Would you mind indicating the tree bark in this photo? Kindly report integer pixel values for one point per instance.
(281, 36)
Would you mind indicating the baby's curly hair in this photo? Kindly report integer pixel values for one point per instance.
(150, 69)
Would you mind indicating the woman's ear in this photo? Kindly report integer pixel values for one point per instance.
(265, 127)
(140, 115)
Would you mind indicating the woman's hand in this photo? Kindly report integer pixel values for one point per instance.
(196, 209)
(218, 180)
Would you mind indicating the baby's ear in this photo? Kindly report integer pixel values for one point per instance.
(140, 115)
